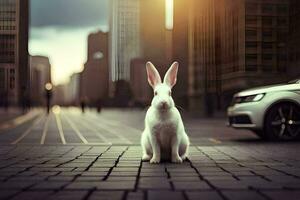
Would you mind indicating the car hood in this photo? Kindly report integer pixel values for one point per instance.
(270, 88)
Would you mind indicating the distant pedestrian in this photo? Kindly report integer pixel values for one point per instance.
(83, 104)
(99, 106)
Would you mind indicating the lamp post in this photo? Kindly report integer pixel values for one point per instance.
(48, 94)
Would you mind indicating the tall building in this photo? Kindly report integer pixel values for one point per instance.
(141, 91)
(254, 44)
(40, 74)
(14, 68)
(203, 55)
(235, 45)
(124, 37)
(294, 40)
(154, 35)
(180, 50)
(94, 78)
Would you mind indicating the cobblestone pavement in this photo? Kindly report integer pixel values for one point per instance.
(254, 172)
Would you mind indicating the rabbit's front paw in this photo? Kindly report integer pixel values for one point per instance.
(154, 160)
(176, 159)
(146, 157)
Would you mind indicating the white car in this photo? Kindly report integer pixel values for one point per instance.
(272, 112)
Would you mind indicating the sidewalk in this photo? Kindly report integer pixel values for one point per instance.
(117, 173)
(15, 116)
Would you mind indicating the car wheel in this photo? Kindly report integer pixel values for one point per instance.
(282, 122)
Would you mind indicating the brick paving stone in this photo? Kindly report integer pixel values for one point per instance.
(123, 173)
(283, 195)
(106, 195)
(49, 185)
(32, 195)
(221, 184)
(139, 195)
(123, 178)
(89, 178)
(243, 195)
(154, 183)
(116, 185)
(205, 195)
(8, 193)
(162, 195)
(68, 195)
(195, 185)
(185, 178)
(10, 185)
(81, 185)
(61, 178)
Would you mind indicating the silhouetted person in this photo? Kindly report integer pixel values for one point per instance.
(99, 106)
(48, 100)
(82, 104)
(48, 94)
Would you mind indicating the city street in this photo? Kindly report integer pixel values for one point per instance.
(70, 155)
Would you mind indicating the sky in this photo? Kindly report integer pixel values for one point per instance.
(59, 30)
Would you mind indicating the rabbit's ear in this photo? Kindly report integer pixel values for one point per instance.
(171, 75)
(153, 75)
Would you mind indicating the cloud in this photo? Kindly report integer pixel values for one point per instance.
(69, 13)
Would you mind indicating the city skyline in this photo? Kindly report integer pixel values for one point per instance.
(63, 36)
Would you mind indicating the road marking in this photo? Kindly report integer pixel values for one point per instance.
(102, 137)
(27, 131)
(45, 130)
(76, 130)
(214, 140)
(60, 129)
(107, 128)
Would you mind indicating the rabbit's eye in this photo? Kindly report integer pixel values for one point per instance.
(169, 93)
(155, 93)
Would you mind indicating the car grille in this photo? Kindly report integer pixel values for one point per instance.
(240, 119)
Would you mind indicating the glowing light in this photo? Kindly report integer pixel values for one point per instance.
(48, 86)
(56, 109)
(169, 14)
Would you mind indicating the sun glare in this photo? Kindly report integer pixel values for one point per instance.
(169, 14)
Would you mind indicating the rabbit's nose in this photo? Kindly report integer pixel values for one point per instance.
(164, 104)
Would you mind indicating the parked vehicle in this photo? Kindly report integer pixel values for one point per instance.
(272, 112)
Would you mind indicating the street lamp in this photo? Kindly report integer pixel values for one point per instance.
(48, 86)
(48, 89)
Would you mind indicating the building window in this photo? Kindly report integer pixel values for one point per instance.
(251, 44)
(251, 33)
(251, 8)
(251, 20)
(282, 9)
(267, 68)
(267, 45)
(282, 21)
(267, 56)
(267, 21)
(282, 57)
(267, 8)
(251, 57)
(2, 79)
(267, 34)
(251, 68)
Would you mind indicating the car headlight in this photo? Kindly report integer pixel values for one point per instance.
(251, 98)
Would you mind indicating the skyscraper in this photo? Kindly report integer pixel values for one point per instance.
(95, 76)
(14, 68)
(40, 74)
(124, 37)
(235, 45)
(294, 40)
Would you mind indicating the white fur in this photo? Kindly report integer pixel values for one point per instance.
(164, 136)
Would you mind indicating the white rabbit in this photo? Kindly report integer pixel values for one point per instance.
(164, 136)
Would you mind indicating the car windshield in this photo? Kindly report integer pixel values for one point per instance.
(294, 81)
